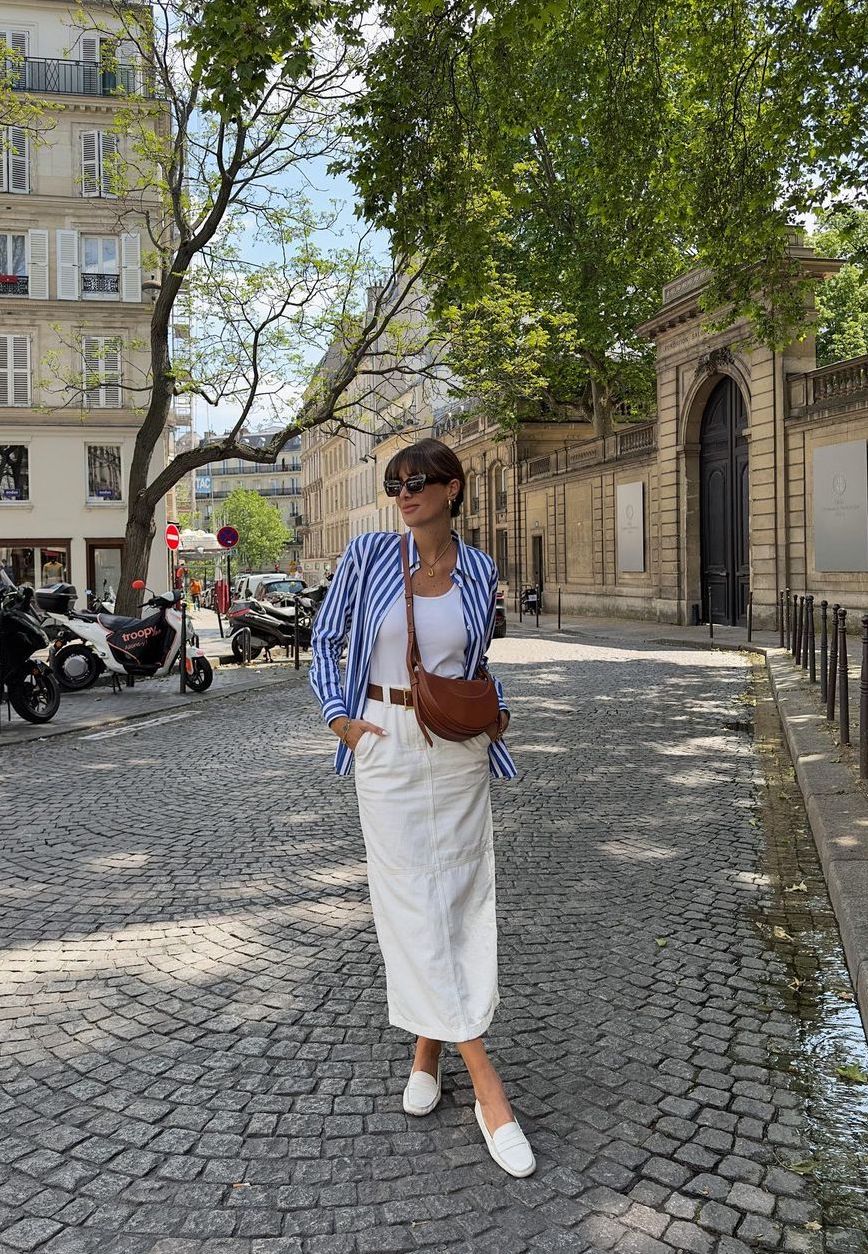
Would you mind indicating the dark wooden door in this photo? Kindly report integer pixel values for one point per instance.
(724, 494)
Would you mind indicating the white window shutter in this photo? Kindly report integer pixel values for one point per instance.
(5, 369)
(4, 158)
(108, 151)
(18, 41)
(20, 369)
(112, 373)
(131, 268)
(90, 72)
(68, 285)
(37, 264)
(92, 360)
(90, 175)
(19, 160)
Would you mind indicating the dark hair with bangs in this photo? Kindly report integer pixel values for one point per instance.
(429, 457)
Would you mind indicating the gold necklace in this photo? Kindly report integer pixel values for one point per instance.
(437, 558)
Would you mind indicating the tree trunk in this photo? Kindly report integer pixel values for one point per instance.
(137, 552)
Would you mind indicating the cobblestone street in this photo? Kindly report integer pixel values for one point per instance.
(195, 1057)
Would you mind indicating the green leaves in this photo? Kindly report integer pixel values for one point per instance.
(262, 532)
(852, 1073)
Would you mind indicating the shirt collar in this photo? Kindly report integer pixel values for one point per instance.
(463, 569)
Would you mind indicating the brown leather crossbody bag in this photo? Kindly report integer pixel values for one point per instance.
(453, 709)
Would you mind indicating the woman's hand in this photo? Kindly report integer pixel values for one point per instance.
(498, 729)
(351, 730)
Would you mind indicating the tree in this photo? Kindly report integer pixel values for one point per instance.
(238, 103)
(561, 159)
(842, 301)
(262, 533)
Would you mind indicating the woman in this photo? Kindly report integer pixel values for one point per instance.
(425, 810)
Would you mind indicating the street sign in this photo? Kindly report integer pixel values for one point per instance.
(227, 537)
(173, 537)
(203, 484)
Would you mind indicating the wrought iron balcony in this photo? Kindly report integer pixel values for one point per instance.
(500, 501)
(14, 285)
(101, 284)
(80, 78)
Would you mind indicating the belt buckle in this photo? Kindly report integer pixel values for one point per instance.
(405, 693)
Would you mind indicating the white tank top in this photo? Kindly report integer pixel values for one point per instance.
(441, 634)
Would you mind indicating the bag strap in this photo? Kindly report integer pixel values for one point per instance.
(414, 661)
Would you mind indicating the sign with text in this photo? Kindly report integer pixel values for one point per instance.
(841, 506)
(630, 509)
(203, 485)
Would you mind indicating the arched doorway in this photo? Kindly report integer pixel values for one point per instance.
(723, 511)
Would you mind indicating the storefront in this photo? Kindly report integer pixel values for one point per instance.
(37, 562)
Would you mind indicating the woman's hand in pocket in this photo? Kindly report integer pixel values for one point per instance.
(351, 730)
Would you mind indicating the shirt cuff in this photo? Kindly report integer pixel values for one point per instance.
(333, 709)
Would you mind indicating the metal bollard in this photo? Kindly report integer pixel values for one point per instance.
(781, 618)
(824, 649)
(797, 633)
(787, 618)
(295, 641)
(559, 609)
(182, 655)
(833, 666)
(809, 601)
(812, 645)
(246, 638)
(863, 702)
(749, 616)
(538, 599)
(843, 680)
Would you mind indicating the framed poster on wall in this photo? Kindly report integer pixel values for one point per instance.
(630, 510)
(840, 489)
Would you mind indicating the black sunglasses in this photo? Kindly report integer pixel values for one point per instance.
(413, 483)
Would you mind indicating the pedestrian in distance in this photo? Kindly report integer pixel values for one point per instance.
(424, 799)
(195, 591)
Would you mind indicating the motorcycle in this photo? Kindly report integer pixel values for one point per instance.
(270, 626)
(71, 659)
(31, 688)
(531, 600)
(145, 647)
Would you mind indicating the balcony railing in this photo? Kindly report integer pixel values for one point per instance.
(843, 385)
(221, 493)
(14, 285)
(80, 78)
(100, 284)
(500, 501)
(217, 468)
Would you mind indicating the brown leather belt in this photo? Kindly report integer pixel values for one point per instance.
(397, 696)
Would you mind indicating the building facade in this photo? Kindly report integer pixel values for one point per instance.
(74, 307)
(278, 482)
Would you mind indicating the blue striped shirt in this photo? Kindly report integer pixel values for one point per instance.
(367, 581)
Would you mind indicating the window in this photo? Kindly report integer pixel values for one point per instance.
(15, 68)
(14, 369)
(501, 489)
(100, 265)
(502, 555)
(102, 372)
(14, 159)
(14, 472)
(104, 472)
(13, 265)
(99, 163)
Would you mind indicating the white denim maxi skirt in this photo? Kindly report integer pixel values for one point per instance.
(426, 820)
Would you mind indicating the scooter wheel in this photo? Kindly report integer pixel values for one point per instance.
(201, 676)
(255, 649)
(76, 666)
(34, 693)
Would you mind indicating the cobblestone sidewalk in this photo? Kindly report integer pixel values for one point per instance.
(195, 1058)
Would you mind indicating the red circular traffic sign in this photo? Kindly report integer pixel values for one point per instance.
(173, 537)
(227, 537)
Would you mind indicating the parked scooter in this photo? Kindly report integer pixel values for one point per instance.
(271, 626)
(72, 659)
(144, 647)
(31, 688)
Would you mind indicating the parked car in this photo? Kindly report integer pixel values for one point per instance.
(278, 589)
(242, 585)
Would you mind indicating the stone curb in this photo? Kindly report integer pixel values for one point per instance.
(837, 811)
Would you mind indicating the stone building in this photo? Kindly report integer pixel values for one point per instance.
(278, 482)
(75, 301)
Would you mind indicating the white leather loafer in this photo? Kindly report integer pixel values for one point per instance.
(508, 1146)
(422, 1092)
